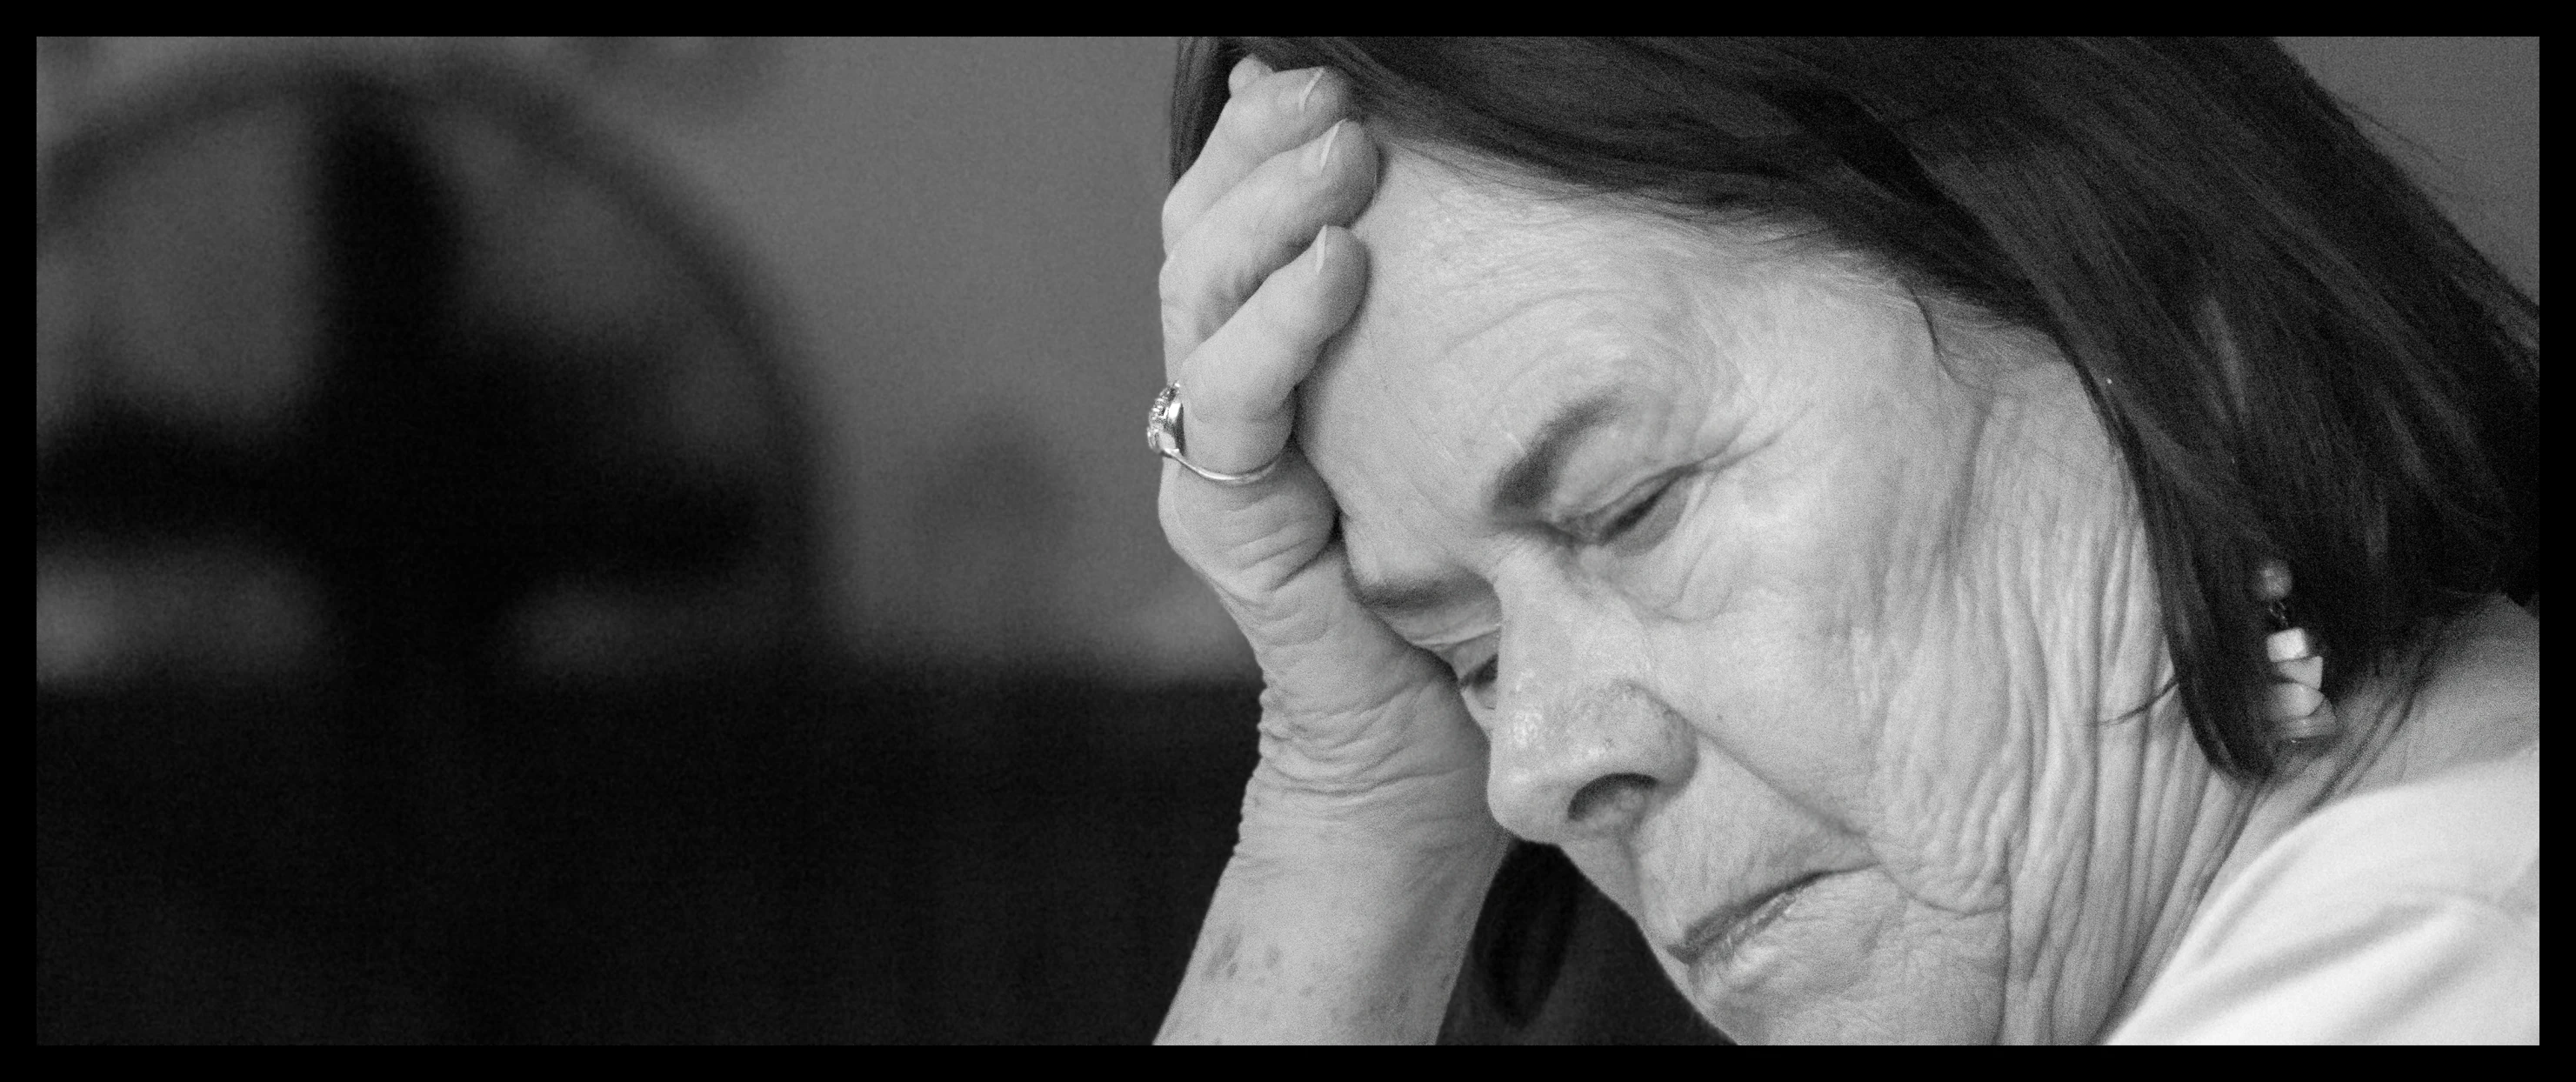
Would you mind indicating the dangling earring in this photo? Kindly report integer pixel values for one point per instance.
(2300, 712)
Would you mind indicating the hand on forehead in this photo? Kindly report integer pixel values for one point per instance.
(1514, 341)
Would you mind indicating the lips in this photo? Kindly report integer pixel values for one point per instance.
(1719, 935)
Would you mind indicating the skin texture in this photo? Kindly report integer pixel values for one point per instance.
(1365, 846)
(1809, 598)
(1723, 562)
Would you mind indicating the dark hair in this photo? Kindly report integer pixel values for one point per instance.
(2298, 356)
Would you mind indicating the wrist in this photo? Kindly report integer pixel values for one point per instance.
(1357, 941)
(1414, 823)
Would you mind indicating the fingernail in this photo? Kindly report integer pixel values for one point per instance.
(1323, 155)
(1309, 92)
(1322, 254)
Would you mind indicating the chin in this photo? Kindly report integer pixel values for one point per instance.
(1913, 1013)
(1937, 1021)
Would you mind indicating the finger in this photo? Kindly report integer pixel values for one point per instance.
(1270, 114)
(1261, 224)
(1245, 71)
(1238, 390)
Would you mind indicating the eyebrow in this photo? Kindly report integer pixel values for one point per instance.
(1521, 487)
(1526, 482)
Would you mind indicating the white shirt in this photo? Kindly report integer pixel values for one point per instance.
(2409, 913)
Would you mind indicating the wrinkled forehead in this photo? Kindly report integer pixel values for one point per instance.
(1489, 307)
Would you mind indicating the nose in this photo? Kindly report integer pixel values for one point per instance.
(1581, 745)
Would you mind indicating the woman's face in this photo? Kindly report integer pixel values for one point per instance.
(1775, 597)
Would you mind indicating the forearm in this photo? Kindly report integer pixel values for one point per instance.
(1350, 942)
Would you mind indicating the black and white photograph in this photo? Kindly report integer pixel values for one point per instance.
(1649, 541)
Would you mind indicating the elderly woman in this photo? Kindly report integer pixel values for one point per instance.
(1962, 541)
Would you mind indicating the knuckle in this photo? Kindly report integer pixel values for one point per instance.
(1188, 309)
(1173, 281)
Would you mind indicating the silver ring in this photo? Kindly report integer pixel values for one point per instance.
(1163, 434)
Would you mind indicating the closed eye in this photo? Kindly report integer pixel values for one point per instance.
(1636, 512)
(1637, 523)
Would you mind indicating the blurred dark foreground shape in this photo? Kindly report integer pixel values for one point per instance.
(425, 609)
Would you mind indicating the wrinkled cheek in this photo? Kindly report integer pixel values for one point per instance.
(1772, 696)
(1953, 784)
(1951, 852)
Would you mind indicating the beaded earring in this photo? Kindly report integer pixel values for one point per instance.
(2299, 709)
